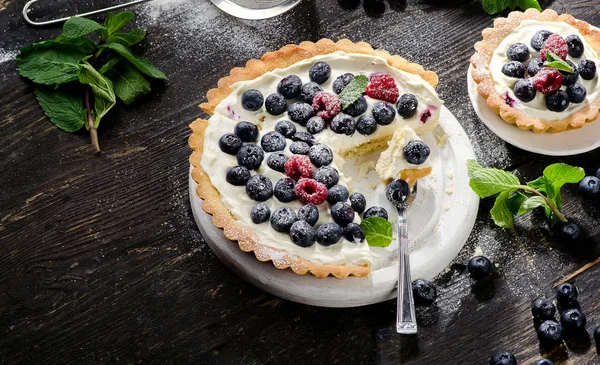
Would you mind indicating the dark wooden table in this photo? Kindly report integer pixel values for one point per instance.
(101, 261)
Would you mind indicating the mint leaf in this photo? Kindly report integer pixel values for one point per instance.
(489, 181)
(108, 65)
(532, 203)
(128, 83)
(552, 60)
(494, 6)
(354, 90)
(140, 63)
(378, 231)
(104, 96)
(527, 4)
(501, 214)
(515, 201)
(49, 62)
(127, 39)
(63, 109)
(84, 44)
(114, 22)
(80, 26)
(559, 174)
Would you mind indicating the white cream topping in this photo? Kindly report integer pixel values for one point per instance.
(537, 107)
(216, 163)
(392, 162)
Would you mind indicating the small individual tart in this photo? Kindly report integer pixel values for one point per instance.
(537, 70)
(268, 161)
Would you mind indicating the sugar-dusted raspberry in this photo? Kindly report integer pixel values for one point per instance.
(557, 45)
(310, 191)
(326, 105)
(298, 166)
(383, 87)
(547, 80)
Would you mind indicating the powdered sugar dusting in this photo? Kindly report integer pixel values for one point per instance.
(6, 56)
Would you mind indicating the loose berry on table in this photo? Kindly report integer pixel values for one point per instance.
(383, 113)
(543, 362)
(558, 101)
(407, 105)
(250, 156)
(568, 232)
(514, 69)
(566, 294)
(543, 308)
(252, 100)
(480, 267)
(310, 191)
(326, 105)
(277, 161)
(300, 112)
(358, 202)
(341, 82)
(248, 132)
(309, 213)
(329, 234)
(424, 292)
(320, 155)
(382, 87)
(342, 214)
(575, 46)
(577, 93)
(260, 213)
(319, 72)
(524, 90)
(376, 211)
(298, 166)
(503, 358)
(275, 104)
(366, 125)
(282, 219)
(315, 125)
(354, 233)
(343, 124)
(272, 141)
(327, 176)
(573, 319)
(285, 128)
(230, 143)
(285, 190)
(238, 175)
(589, 187)
(302, 234)
(259, 188)
(416, 152)
(337, 193)
(308, 92)
(290, 86)
(550, 333)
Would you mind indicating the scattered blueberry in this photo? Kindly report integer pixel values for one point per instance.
(342, 213)
(550, 332)
(341, 82)
(272, 141)
(543, 308)
(416, 152)
(320, 155)
(568, 232)
(284, 190)
(575, 46)
(366, 125)
(566, 293)
(337, 193)
(319, 72)
(397, 191)
(304, 137)
(259, 188)
(524, 90)
(299, 148)
(543, 362)
(275, 104)
(343, 124)
(302, 234)
(289, 86)
(503, 358)
(480, 267)
(597, 336)
(308, 92)
(589, 187)
(557, 101)
(424, 292)
(248, 132)
(250, 156)
(354, 233)
(309, 213)
(230, 143)
(587, 69)
(384, 112)
(358, 202)
(573, 319)
(407, 105)
(285, 128)
(277, 161)
(535, 65)
(327, 176)
(252, 100)
(329, 234)
(357, 108)
(282, 219)
(518, 52)
(300, 112)
(539, 38)
(569, 78)
(237, 175)
(375, 211)
(260, 213)
(577, 93)
(514, 69)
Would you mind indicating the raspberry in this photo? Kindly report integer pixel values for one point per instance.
(310, 191)
(383, 87)
(298, 166)
(326, 105)
(547, 80)
(557, 45)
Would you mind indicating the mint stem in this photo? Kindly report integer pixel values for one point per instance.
(552, 206)
(91, 127)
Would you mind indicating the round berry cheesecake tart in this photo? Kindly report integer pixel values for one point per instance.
(537, 70)
(268, 162)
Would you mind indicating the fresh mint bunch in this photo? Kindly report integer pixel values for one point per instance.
(513, 198)
(81, 73)
(496, 6)
(378, 231)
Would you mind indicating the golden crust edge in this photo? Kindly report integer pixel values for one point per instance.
(485, 83)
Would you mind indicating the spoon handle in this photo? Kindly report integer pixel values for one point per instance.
(406, 321)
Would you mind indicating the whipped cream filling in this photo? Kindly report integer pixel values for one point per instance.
(392, 162)
(215, 163)
(537, 107)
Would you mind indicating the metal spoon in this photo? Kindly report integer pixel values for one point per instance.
(402, 195)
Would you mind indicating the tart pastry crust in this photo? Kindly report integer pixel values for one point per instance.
(212, 204)
(484, 49)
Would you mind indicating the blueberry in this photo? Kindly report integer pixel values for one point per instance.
(285, 128)
(589, 187)
(568, 232)
(248, 132)
(535, 65)
(407, 106)
(329, 234)
(587, 69)
(524, 90)
(543, 362)
(539, 38)
(597, 336)
(569, 78)
(304, 137)
(319, 72)
(277, 161)
(573, 319)
(309, 213)
(300, 112)
(514, 69)
(299, 148)
(550, 332)
(543, 308)
(384, 113)
(366, 125)
(357, 108)
(354, 233)
(259, 188)
(416, 152)
(326, 175)
(557, 101)
(284, 190)
(375, 211)
(577, 93)
(503, 358)
(275, 104)
(337, 193)
(315, 125)
(237, 175)
(252, 100)
(566, 294)
(282, 219)
(320, 155)
(302, 234)
(308, 91)
(343, 124)
(480, 267)
(424, 292)
(358, 202)
(272, 141)
(518, 52)
(250, 156)
(260, 213)
(341, 82)
(230, 143)
(342, 214)
(289, 86)
(575, 46)
(397, 191)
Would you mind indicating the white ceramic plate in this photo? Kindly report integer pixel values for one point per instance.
(566, 143)
(440, 222)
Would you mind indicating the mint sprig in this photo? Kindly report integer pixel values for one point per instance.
(552, 60)
(354, 90)
(496, 6)
(80, 74)
(378, 231)
(511, 196)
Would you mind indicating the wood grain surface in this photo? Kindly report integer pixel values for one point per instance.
(100, 259)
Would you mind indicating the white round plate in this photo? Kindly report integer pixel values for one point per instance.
(255, 9)
(567, 143)
(440, 222)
